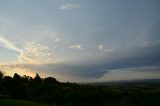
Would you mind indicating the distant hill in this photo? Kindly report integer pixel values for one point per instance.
(126, 82)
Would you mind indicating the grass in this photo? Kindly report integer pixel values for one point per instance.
(13, 102)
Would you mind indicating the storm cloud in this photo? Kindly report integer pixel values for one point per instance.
(81, 40)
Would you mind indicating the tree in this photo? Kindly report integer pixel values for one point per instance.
(16, 77)
(1, 80)
(36, 86)
(1, 75)
(37, 80)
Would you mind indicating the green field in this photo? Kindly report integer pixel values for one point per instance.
(13, 102)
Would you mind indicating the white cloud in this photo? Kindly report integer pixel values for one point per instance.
(68, 6)
(38, 53)
(105, 49)
(57, 40)
(76, 46)
(100, 47)
(147, 43)
(32, 53)
(9, 45)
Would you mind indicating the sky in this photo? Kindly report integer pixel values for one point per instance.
(81, 40)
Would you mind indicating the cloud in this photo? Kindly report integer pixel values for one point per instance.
(146, 44)
(142, 63)
(9, 45)
(76, 46)
(31, 53)
(100, 47)
(68, 6)
(123, 64)
(39, 54)
(139, 62)
(131, 74)
(100, 70)
(65, 71)
(57, 40)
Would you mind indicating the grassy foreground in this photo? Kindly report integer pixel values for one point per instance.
(13, 102)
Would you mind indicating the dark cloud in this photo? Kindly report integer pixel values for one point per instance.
(135, 57)
(143, 57)
(77, 71)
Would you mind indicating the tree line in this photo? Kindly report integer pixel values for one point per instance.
(50, 91)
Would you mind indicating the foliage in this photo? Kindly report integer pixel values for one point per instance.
(12, 102)
(50, 91)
